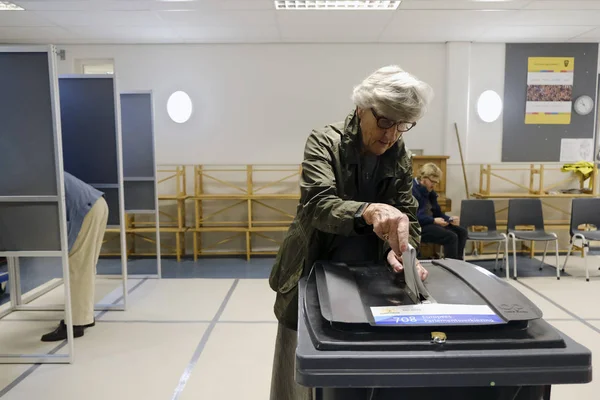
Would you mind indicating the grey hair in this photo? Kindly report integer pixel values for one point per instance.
(394, 93)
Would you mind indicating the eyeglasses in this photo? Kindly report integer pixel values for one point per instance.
(385, 123)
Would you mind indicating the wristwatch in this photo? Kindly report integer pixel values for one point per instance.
(359, 220)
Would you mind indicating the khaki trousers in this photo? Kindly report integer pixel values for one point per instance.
(82, 262)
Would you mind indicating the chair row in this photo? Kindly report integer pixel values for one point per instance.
(529, 212)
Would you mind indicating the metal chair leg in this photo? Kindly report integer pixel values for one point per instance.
(584, 245)
(556, 252)
(475, 246)
(544, 257)
(497, 254)
(507, 260)
(514, 246)
(505, 256)
(568, 254)
(585, 260)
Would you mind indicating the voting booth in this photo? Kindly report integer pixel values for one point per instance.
(139, 163)
(365, 332)
(92, 148)
(51, 125)
(32, 195)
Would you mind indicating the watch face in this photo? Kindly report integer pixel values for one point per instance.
(584, 105)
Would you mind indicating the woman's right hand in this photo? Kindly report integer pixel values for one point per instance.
(440, 222)
(390, 224)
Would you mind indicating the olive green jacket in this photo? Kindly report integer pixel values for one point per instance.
(326, 209)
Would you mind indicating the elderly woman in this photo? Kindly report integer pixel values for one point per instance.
(437, 227)
(356, 201)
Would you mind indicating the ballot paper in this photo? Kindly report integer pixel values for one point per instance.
(436, 314)
(414, 285)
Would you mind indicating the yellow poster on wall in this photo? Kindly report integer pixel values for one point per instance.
(549, 90)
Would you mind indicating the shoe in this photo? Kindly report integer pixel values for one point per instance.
(60, 333)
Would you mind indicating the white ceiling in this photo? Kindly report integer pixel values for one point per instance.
(257, 21)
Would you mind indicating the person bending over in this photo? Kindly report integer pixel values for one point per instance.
(87, 216)
(356, 202)
(437, 227)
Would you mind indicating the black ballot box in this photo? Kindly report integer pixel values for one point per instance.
(363, 336)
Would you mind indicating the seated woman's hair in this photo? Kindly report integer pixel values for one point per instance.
(393, 93)
(430, 170)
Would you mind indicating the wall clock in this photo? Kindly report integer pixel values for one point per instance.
(584, 105)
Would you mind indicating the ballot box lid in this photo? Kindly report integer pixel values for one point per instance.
(357, 353)
(457, 294)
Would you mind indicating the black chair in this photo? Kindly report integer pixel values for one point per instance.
(584, 211)
(529, 212)
(483, 213)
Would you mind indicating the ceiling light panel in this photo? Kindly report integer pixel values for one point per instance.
(336, 5)
(8, 6)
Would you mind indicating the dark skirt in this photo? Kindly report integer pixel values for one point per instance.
(283, 384)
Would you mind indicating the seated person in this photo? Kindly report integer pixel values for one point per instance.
(437, 227)
(87, 216)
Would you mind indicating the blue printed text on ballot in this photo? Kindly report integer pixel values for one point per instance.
(438, 320)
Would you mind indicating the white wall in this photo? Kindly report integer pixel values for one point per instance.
(458, 74)
(487, 72)
(257, 103)
(478, 66)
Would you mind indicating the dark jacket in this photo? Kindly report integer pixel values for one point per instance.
(423, 197)
(328, 185)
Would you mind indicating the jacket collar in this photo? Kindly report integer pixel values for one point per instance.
(352, 144)
(351, 139)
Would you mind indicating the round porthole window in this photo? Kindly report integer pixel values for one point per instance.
(179, 107)
(489, 106)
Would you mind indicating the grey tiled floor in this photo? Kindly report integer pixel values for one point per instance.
(212, 337)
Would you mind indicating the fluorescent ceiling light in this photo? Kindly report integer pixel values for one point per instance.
(336, 4)
(8, 6)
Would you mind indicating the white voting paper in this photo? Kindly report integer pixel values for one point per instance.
(435, 314)
(574, 150)
(409, 261)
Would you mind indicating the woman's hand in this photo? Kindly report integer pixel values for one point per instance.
(396, 264)
(455, 221)
(440, 222)
(389, 224)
